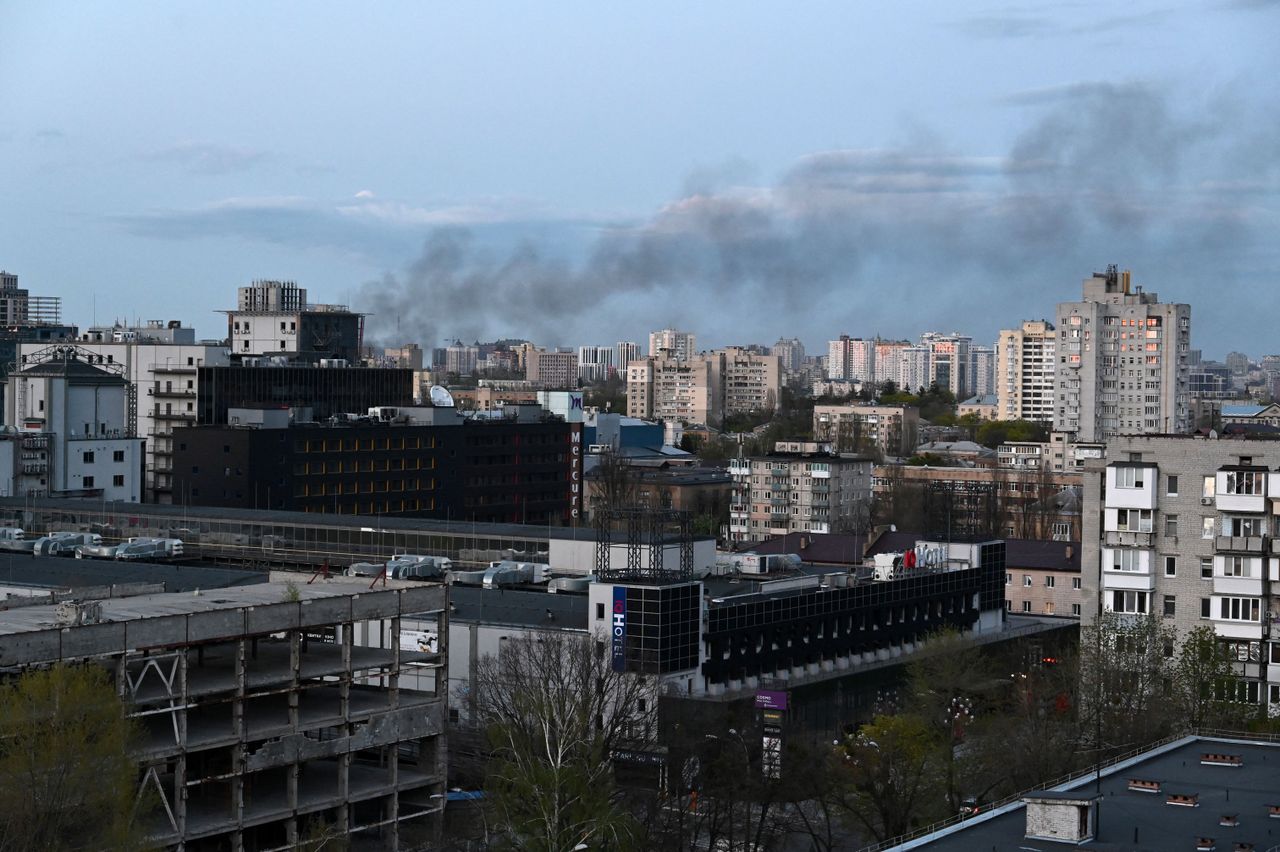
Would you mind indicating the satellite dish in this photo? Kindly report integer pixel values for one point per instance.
(440, 397)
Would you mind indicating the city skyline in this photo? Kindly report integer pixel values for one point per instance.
(779, 171)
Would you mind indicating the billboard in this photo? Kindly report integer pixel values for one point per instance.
(619, 628)
(771, 699)
(422, 641)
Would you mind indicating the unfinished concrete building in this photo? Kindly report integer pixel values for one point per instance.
(271, 712)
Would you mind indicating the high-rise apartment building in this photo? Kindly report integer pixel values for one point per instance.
(669, 343)
(915, 366)
(790, 353)
(889, 355)
(1025, 371)
(949, 364)
(595, 363)
(624, 352)
(1122, 362)
(1184, 528)
(705, 388)
(851, 359)
(892, 429)
(982, 369)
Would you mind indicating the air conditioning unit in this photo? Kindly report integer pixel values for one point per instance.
(1206, 501)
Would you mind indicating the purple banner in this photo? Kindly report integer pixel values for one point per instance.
(771, 699)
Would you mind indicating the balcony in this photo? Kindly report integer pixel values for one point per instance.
(1129, 538)
(1128, 580)
(185, 416)
(1254, 544)
(172, 392)
(174, 369)
(1237, 586)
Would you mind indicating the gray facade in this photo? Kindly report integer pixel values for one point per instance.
(1185, 528)
(1122, 362)
(268, 709)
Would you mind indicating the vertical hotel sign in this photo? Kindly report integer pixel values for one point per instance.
(619, 628)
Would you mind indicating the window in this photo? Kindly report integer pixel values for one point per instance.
(1171, 485)
(1049, 582)
(1048, 607)
(1008, 579)
(88, 482)
(1075, 609)
(1171, 526)
(1026, 606)
(1170, 606)
(1207, 528)
(1129, 477)
(1209, 487)
(1125, 560)
(1235, 566)
(1246, 526)
(117, 456)
(88, 458)
(599, 612)
(1127, 601)
(1061, 529)
(1171, 566)
(1133, 520)
(1075, 582)
(1205, 604)
(1008, 605)
(1239, 609)
(1244, 482)
(1026, 579)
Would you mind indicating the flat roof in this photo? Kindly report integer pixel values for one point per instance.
(58, 573)
(274, 517)
(518, 607)
(1124, 815)
(33, 634)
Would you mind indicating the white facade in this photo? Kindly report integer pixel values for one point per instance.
(1026, 367)
(669, 343)
(161, 360)
(68, 433)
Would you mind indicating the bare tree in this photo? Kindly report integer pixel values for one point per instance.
(615, 484)
(555, 712)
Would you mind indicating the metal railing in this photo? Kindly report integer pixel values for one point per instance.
(1210, 733)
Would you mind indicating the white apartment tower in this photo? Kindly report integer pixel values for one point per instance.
(1025, 370)
(1122, 362)
(669, 343)
(851, 359)
(949, 362)
(624, 352)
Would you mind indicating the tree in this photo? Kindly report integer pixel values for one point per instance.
(892, 774)
(555, 711)
(615, 484)
(1126, 680)
(1203, 680)
(67, 780)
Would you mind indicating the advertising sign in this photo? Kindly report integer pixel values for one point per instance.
(771, 699)
(619, 628)
(422, 641)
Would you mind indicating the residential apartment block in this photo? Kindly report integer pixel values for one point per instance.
(803, 486)
(1184, 528)
(1122, 362)
(891, 429)
(704, 388)
(669, 343)
(1025, 370)
(851, 359)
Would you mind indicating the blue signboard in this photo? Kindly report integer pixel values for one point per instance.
(619, 628)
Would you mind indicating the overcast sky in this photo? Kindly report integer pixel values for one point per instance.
(584, 172)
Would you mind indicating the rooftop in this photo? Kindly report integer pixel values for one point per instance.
(1142, 821)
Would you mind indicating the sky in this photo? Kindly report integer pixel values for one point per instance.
(582, 173)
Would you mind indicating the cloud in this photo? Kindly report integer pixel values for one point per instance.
(205, 158)
(1021, 24)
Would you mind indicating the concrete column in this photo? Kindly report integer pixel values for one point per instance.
(238, 750)
(180, 764)
(344, 700)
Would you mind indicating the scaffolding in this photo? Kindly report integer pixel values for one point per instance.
(645, 529)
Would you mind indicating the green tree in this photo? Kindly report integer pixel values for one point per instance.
(67, 779)
(1126, 677)
(893, 775)
(554, 711)
(1203, 678)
